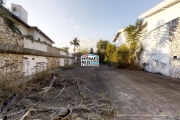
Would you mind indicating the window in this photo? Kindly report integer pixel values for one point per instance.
(175, 57)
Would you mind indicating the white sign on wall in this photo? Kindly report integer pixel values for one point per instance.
(89, 60)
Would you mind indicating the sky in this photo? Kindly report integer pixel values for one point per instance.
(88, 20)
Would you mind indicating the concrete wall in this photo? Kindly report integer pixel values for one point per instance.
(71, 61)
(42, 38)
(156, 51)
(20, 12)
(62, 53)
(163, 17)
(65, 61)
(61, 62)
(23, 29)
(36, 34)
(34, 45)
(33, 64)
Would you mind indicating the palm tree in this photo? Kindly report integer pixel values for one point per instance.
(75, 42)
(132, 35)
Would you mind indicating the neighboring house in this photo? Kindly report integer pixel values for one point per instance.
(160, 53)
(40, 54)
(21, 15)
(119, 38)
(160, 39)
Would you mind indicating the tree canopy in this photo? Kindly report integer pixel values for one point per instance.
(75, 43)
(65, 49)
(91, 51)
(83, 50)
(101, 46)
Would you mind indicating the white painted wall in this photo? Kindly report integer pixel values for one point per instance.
(23, 29)
(163, 17)
(62, 53)
(34, 45)
(155, 53)
(38, 34)
(120, 40)
(20, 12)
(61, 62)
(71, 61)
(30, 69)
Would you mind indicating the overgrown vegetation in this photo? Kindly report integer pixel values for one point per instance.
(5, 15)
(30, 37)
(10, 83)
(83, 50)
(101, 49)
(65, 49)
(127, 55)
(91, 51)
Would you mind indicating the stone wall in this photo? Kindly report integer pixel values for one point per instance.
(11, 66)
(12, 49)
(53, 62)
(51, 49)
(174, 35)
(170, 62)
(9, 37)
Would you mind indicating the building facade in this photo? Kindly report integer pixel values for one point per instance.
(29, 51)
(160, 39)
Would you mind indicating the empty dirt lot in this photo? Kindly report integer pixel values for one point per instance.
(137, 95)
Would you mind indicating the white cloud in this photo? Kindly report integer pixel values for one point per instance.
(84, 43)
(72, 20)
(77, 26)
(65, 20)
(88, 43)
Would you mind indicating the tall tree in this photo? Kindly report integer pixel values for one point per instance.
(75, 43)
(101, 49)
(91, 51)
(110, 50)
(132, 35)
(101, 46)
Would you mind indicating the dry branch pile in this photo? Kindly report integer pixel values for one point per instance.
(61, 98)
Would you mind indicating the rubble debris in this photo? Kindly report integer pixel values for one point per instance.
(61, 98)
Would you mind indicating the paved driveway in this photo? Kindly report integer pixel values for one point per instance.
(137, 95)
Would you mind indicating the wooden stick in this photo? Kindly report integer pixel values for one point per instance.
(50, 86)
(28, 112)
(77, 84)
(59, 93)
(59, 115)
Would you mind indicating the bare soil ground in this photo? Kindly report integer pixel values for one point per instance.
(95, 93)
